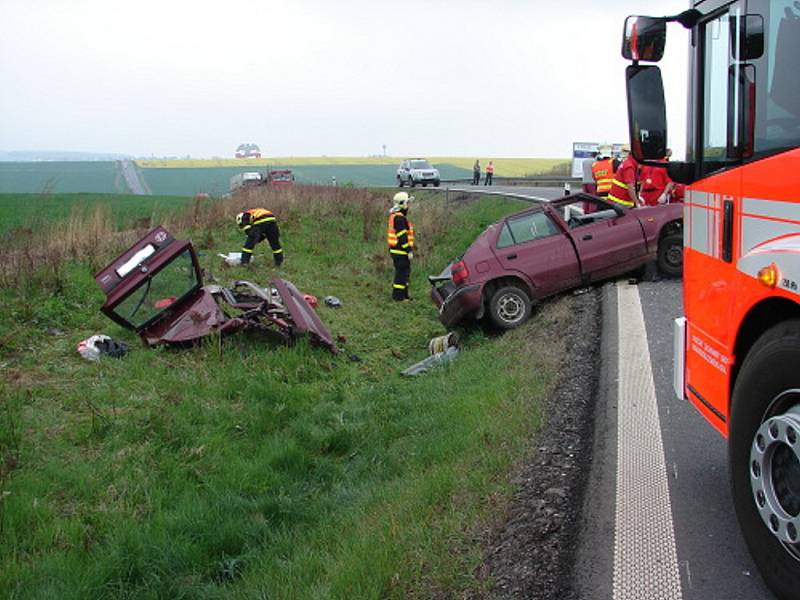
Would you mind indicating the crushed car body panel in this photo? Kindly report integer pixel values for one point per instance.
(156, 289)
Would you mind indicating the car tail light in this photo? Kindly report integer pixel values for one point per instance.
(459, 272)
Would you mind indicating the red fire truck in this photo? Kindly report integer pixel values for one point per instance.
(737, 350)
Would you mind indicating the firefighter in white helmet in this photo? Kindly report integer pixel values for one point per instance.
(260, 224)
(400, 237)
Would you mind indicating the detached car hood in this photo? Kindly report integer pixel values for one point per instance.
(156, 289)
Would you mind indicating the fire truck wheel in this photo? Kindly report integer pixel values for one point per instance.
(670, 255)
(509, 307)
(764, 456)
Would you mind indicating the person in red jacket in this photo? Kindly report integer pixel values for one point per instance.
(623, 186)
(656, 185)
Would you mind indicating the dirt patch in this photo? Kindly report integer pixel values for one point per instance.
(529, 554)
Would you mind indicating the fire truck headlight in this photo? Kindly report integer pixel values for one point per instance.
(769, 275)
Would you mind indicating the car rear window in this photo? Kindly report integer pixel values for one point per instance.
(158, 292)
(525, 228)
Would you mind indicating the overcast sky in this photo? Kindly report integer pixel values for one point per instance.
(319, 77)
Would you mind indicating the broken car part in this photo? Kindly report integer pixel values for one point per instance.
(156, 288)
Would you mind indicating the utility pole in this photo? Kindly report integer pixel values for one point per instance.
(384, 150)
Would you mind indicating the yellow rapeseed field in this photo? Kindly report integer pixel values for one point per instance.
(504, 167)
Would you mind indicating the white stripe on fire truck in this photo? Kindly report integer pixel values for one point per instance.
(784, 253)
(765, 220)
(703, 223)
(774, 209)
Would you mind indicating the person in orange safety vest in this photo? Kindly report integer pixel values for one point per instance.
(400, 237)
(489, 174)
(603, 170)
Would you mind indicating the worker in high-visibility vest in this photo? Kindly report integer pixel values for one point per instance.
(260, 224)
(623, 186)
(400, 237)
(489, 173)
(603, 169)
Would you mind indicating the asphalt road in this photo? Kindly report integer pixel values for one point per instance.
(712, 560)
(132, 178)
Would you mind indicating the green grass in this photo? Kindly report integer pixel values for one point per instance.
(187, 177)
(216, 180)
(63, 177)
(37, 210)
(242, 468)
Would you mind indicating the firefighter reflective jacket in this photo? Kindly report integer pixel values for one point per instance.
(625, 177)
(603, 174)
(261, 224)
(256, 216)
(400, 234)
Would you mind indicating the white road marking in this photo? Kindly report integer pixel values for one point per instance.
(645, 559)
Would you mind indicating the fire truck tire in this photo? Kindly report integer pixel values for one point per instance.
(763, 452)
(670, 255)
(509, 307)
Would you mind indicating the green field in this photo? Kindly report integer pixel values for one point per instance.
(63, 177)
(215, 180)
(36, 210)
(187, 177)
(240, 468)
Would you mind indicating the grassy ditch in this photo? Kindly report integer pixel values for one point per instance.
(241, 468)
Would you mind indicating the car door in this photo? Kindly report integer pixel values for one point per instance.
(609, 245)
(533, 244)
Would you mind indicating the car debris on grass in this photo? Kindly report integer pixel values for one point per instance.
(156, 288)
(442, 349)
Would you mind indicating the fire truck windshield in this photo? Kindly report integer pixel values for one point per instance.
(750, 104)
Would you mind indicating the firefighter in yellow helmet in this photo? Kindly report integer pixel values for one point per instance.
(400, 237)
(260, 224)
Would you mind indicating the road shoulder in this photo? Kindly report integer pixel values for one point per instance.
(530, 554)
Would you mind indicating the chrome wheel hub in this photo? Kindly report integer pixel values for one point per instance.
(510, 307)
(775, 476)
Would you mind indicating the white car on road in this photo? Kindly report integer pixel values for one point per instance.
(417, 171)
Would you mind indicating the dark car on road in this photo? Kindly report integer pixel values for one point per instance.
(550, 248)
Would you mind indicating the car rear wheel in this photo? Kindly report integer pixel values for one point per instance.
(509, 307)
(764, 456)
(670, 255)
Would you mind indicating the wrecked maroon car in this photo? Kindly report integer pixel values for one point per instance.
(554, 246)
(156, 288)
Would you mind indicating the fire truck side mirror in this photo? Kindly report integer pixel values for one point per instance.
(644, 38)
(647, 112)
(682, 172)
(748, 31)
